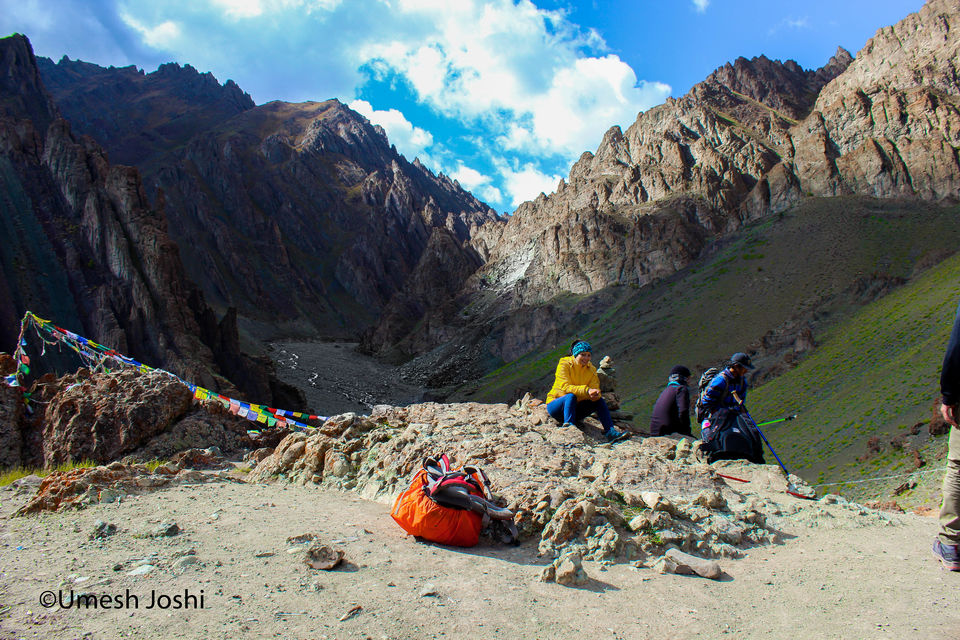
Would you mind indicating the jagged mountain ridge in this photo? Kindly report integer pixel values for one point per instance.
(134, 115)
(91, 252)
(754, 139)
(303, 216)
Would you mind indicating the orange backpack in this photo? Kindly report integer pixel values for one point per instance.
(416, 511)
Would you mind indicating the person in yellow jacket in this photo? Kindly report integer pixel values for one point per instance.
(576, 392)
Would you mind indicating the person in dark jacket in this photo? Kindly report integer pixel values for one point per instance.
(946, 547)
(727, 432)
(671, 413)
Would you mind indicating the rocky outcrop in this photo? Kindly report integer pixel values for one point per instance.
(77, 488)
(105, 417)
(890, 125)
(11, 417)
(565, 488)
(99, 259)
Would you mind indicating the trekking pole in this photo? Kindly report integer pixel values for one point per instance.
(791, 489)
(765, 423)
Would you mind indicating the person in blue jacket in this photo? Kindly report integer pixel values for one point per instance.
(727, 432)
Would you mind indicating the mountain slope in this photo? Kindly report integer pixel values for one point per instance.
(754, 139)
(138, 116)
(93, 255)
(302, 216)
(844, 303)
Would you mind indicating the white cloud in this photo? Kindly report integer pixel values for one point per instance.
(526, 182)
(790, 23)
(479, 184)
(159, 36)
(469, 178)
(514, 68)
(701, 5)
(411, 141)
(256, 8)
(239, 8)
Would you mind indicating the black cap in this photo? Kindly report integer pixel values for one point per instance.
(680, 370)
(741, 359)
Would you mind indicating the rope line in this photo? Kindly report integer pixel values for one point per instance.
(902, 475)
(96, 357)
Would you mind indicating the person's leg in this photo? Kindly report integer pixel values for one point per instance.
(950, 509)
(603, 414)
(588, 407)
(564, 409)
(584, 408)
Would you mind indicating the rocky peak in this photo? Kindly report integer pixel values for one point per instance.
(786, 86)
(138, 116)
(22, 93)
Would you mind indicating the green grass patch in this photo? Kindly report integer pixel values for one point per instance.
(12, 475)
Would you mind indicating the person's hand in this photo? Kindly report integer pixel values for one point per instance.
(949, 413)
(594, 394)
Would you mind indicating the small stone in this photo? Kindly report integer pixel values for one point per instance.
(429, 589)
(549, 574)
(711, 499)
(323, 557)
(570, 570)
(353, 611)
(142, 570)
(665, 565)
(303, 538)
(102, 529)
(165, 530)
(700, 566)
(184, 562)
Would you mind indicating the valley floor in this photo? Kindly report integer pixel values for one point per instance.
(837, 579)
(335, 378)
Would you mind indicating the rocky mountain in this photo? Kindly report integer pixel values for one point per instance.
(755, 138)
(137, 116)
(303, 216)
(87, 249)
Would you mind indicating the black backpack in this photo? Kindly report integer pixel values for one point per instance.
(705, 378)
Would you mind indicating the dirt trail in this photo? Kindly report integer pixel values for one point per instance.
(833, 580)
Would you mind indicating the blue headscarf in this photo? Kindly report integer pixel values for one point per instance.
(580, 347)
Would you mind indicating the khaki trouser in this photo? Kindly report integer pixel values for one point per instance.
(950, 511)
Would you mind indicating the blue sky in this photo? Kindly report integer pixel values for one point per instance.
(502, 95)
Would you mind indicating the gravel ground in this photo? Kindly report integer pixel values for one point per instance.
(836, 580)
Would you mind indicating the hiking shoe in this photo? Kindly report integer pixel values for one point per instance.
(614, 434)
(569, 424)
(948, 554)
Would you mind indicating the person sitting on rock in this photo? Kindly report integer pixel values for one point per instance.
(576, 392)
(727, 432)
(671, 413)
